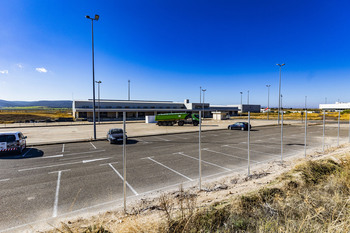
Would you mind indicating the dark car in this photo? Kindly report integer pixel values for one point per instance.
(240, 125)
(115, 135)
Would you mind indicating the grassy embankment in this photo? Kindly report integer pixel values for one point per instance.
(314, 196)
(28, 114)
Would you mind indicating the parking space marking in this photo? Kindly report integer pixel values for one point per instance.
(52, 156)
(245, 149)
(93, 145)
(26, 152)
(63, 148)
(4, 180)
(169, 168)
(164, 139)
(105, 164)
(217, 152)
(121, 177)
(57, 165)
(203, 161)
(55, 205)
(93, 160)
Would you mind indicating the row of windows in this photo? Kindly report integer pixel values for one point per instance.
(136, 107)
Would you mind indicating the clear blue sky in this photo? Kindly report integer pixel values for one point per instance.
(170, 48)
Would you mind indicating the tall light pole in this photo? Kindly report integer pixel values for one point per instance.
(268, 100)
(248, 98)
(279, 93)
(93, 71)
(241, 101)
(204, 90)
(129, 90)
(99, 106)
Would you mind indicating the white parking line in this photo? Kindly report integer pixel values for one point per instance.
(170, 169)
(26, 152)
(203, 161)
(245, 149)
(62, 164)
(52, 156)
(93, 145)
(121, 177)
(164, 139)
(206, 149)
(4, 180)
(62, 148)
(55, 205)
(93, 160)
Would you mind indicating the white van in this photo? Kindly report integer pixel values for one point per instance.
(12, 141)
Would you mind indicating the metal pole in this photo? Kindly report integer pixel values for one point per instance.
(248, 98)
(200, 151)
(324, 124)
(349, 127)
(338, 128)
(93, 79)
(279, 98)
(99, 105)
(129, 90)
(282, 137)
(124, 162)
(268, 100)
(248, 143)
(305, 133)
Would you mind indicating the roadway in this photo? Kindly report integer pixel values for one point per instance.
(47, 183)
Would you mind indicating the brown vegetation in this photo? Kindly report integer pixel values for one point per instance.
(15, 116)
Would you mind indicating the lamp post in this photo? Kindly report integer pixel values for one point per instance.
(99, 106)
(248, 98)
(93, 71)
(204, 90)
(279, 93)
(268, 100)
(241, 101)
(129, 90)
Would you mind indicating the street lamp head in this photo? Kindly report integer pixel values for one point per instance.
(268, 85)
(204, 89)
(241, 93)
(88, 17)
(96, 17)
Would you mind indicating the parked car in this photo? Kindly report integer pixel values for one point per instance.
(240, 125)
(115, 135)
(12, 142)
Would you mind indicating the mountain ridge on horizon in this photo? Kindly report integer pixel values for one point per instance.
(41, 103)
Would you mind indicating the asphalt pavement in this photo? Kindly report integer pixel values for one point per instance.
(50, 182)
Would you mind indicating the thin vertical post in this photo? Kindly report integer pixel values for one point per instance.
(282, 136)
(129, 90)
(124, 161)
(349, 127)
(99, 103)
(305, 133)
(200, 151)
(249, 143)
(338, 128)
(324, 124)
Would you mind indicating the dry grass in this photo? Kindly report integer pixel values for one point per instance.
(312, 197)
(12, 116)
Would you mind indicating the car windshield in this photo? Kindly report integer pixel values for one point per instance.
(115, 131)
(7, 138)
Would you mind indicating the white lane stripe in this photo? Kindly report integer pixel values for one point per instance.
(131, 188)
(62, 148)
(57, 165)
(93, 145)
(26, 152)
(170, 169)
(93, 160)
(245, 149)
(4, 180)
(60, 171)
(164, 139)
(52, 156)
(55, 206)
(203, 161)
(206, 149)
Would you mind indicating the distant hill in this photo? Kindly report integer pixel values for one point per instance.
(41, 103)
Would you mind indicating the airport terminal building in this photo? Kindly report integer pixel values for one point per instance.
(338, 106)
(109, 110)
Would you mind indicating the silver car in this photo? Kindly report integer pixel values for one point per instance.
(12, 142)
(115, 135)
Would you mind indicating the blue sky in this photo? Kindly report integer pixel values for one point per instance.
(168, 49)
